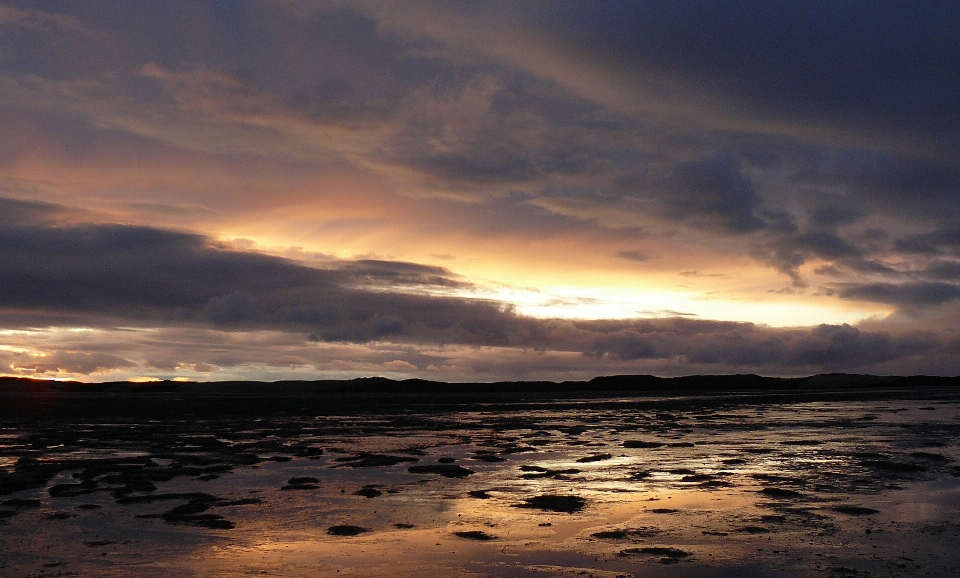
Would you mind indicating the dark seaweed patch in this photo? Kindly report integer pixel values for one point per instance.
(715, 484)
(490, 458)
(74, 490)
(368, 492)
(697, 478)
(780, 493)
(300, 487)
(475, 535)
(516, 449)
(594, 458)
(753, 530)
(554, 503)
(624, 533)
(891, 466)
(610, 535)
(930, 456)
(668, 555)
(544, 473)
(301, 483)
(240, 502)
(191, 513)
(367, 460)
(659, 551)
(854, 510)
(346, 530)
(641, 444)
(303, 480)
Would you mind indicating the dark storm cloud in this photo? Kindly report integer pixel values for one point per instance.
(893, 62)
(943, 270)
(831, 215)
(716, 189)
(788, 252)
(111, 273)
(934, 243)
(897, 185)
(492, 125)
(28, 212)
(906, 295)
(747, 345)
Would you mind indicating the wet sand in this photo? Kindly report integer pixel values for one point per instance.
(828, 481)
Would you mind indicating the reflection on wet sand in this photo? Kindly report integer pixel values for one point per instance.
(817, 488)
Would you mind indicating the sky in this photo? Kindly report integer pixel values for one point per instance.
(478, 191)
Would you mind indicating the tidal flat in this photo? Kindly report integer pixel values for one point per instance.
(818, 482)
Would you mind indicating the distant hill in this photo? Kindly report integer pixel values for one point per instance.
(31, 397)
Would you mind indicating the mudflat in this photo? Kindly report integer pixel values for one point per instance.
(836, 477)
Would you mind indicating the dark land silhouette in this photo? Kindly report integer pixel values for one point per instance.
(24, 396)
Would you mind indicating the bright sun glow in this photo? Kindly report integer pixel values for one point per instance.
(599, 303)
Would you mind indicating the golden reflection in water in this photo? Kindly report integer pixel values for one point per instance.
(524, 540)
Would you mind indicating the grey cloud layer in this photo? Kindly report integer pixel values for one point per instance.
(468, 125)
(891, 63)
(113, 275)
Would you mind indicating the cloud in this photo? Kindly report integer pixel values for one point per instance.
(113, 275)
(81, 362)
(943, 270)
(906, 295)
(822, 62)
(520, 137)
(638, 256)
(933, 243)
(738, 345)
(714, 190)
